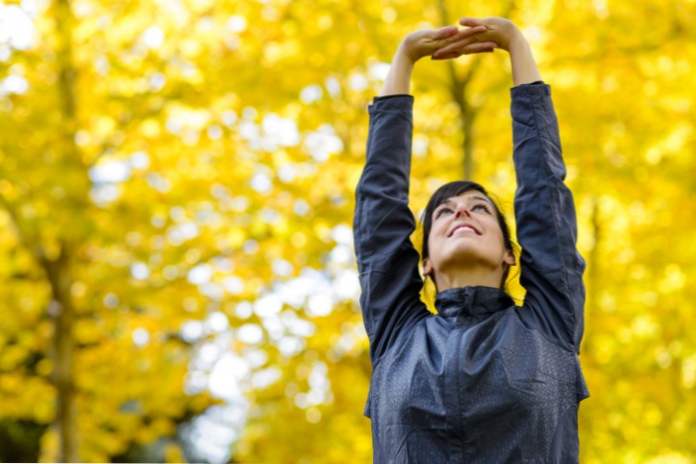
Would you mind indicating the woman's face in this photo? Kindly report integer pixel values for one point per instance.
(465, 234)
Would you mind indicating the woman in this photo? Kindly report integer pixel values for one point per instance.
(483, 381)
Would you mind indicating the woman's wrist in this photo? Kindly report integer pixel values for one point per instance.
(518, 42)
(398, 79)
(524, 68)
(403, 53)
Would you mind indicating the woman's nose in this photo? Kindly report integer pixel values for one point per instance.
(460, 210)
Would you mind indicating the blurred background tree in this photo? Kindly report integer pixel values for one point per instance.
(176, 195)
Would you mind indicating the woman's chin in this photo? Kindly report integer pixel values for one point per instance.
(464, 253)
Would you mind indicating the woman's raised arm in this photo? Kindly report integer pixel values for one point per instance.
(551, 266)
(383, 223)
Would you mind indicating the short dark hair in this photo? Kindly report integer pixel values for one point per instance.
(453, 189)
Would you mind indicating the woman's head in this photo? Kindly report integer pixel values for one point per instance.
(450, 248)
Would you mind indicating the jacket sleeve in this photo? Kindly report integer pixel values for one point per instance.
(551, 266)
(382, 225)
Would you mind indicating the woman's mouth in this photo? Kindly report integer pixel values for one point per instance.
(464, 229)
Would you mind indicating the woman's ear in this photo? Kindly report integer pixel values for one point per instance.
(427, 267)
(509, 258)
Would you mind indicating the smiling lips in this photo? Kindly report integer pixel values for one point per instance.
(464, 226)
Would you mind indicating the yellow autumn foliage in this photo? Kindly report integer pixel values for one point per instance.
(165, 163)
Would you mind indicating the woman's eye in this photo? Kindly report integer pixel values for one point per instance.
(442, 211)
(485, 208)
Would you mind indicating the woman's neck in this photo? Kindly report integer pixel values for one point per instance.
(471, 277)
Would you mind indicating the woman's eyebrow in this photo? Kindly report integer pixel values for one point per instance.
(445, 202)
(481, 198)
(449, 201)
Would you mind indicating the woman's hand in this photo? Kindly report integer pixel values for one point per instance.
(478, 36)
(500, 31)
(426, 42)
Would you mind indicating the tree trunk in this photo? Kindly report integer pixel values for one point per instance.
(63, 314)
(58, 270)
(458, 87)
(593, 270)
(467, 114)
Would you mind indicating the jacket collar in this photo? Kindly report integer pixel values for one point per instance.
(472, 300)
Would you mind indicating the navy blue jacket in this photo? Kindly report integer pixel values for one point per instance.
(483, 381)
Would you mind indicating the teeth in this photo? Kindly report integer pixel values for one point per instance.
(465, 227)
